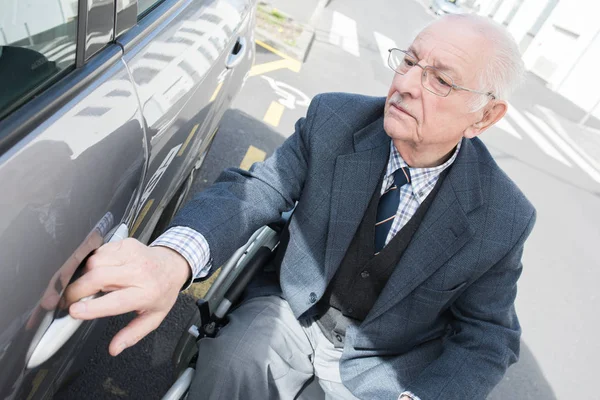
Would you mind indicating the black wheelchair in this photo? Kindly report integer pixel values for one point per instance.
(211, 313)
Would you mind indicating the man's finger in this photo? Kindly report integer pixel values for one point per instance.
(98, 280)
(110, 246)
(114, 303)
(108, 255)
(135, 331)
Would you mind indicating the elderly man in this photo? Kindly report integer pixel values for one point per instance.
(401, 259)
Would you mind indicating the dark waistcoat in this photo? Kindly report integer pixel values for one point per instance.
(362, 275)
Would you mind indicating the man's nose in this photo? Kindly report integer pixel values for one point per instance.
(410, 82)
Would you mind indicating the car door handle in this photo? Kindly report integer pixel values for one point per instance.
(237, 53)
(61, 329)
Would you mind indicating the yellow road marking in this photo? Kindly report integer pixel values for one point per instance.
(187, 141)
(39, 378)
(252, 155)
(274, 113)
(273, 50)
(198, 290)
(260, 69)
(216, 92)
(141, 217)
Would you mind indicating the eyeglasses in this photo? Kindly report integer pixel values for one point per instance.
(432, 79)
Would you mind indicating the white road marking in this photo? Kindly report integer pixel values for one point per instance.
(344, 34)
(560, 130)
(384, 43)
(564, 146)
(290, 96)
(508, 128)
(536, 136)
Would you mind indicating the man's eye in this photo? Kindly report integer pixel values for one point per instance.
(408, 62)
(442, 81)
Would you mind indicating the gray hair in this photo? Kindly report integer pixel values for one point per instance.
(504, 69)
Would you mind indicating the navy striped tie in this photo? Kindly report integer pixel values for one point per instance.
(388, 207)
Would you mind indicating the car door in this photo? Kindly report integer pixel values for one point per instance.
(73, 154)
(182, 56)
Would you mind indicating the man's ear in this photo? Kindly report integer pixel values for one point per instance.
(490, 117)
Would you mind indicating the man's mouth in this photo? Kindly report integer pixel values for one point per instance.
(400, 108)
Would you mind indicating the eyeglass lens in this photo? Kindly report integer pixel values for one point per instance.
(433, 80)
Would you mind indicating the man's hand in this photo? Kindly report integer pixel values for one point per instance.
(134, 277)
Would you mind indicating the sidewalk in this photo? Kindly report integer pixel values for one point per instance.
(562, 116)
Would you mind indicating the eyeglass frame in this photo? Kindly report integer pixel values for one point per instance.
(424, 68)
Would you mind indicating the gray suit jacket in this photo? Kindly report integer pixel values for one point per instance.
(444, 326)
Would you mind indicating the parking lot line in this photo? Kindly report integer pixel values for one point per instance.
(252, 155)
(275, 51)
(216, 92)
(274, 113)
(187, 141)
(260, 69)
(141, 217)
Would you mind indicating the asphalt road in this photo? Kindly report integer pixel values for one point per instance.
(557, 169)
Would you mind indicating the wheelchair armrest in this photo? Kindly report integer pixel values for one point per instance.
(280, 224)
(225, 291)
(262, 256)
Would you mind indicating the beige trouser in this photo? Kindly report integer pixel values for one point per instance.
(264, 352)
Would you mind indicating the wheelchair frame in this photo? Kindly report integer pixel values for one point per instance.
(223, 293)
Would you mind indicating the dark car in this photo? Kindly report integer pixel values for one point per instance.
(107, 107)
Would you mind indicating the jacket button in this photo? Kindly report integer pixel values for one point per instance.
(364, 274)
(312, 297)
(338, 338)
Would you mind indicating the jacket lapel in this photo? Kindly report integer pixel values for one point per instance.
(444, 230)
(356, 176)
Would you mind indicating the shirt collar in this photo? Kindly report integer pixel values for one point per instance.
(422, 180)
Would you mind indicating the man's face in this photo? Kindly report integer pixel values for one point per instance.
(422, 119)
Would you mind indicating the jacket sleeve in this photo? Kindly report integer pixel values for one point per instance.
(486, 335)
(240, 201)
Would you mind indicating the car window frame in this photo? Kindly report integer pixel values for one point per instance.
(35, 106)
(148, 10)
(84, 52)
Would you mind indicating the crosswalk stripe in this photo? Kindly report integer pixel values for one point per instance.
(384, 43)
(344, 34)
(564, 146)
(536, 136)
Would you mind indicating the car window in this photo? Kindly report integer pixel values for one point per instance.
(146, 5)
(37, 43)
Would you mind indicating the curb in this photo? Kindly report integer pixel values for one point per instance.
(304, 41)
(298, 52)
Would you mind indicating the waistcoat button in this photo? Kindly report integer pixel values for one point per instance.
(312, 297)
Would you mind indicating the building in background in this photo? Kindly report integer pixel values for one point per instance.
(560, 43)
